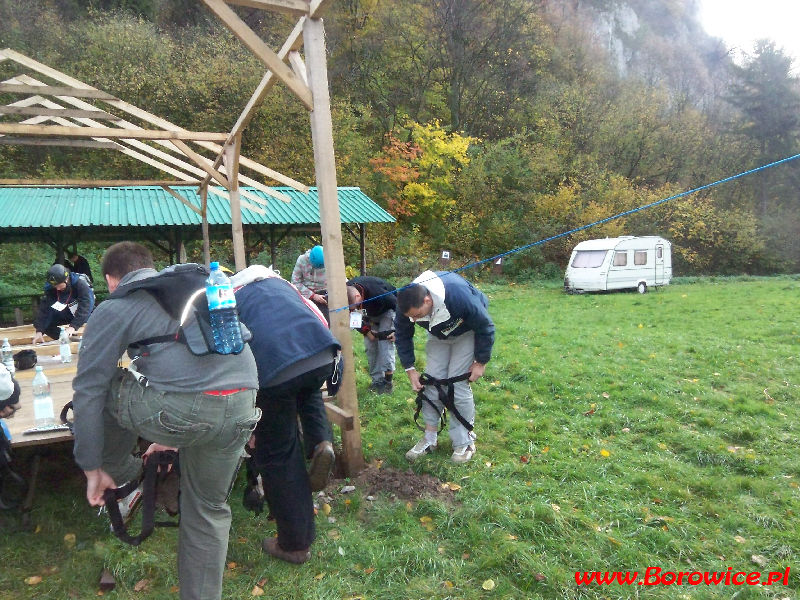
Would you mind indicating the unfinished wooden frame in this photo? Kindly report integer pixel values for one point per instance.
(73, 113)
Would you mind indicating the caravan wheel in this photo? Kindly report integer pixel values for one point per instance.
(642, 287)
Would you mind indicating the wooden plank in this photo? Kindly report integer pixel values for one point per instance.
(180, 198)
(298, 66)
(16, 141)
(317, 8)
(94, 182)
(223, 194)
(51, 90)
(57, 112)
(201, 162)
(339, 417)
(108, 132)
(330, 224)
(257, 46)
(291, 7)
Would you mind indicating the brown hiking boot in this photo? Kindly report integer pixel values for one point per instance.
(297, 557)
(319, 471)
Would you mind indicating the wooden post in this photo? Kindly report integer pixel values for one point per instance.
(331, 227)
(362, 247)
(444, 259)
(204, 226)
(231, 159)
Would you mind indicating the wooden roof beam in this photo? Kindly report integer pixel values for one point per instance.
(265, 54)
(57, 112)
(30, 141)
(291, 7)
(108, 132)
(49, 90)
(93, 182)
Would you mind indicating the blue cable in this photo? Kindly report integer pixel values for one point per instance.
(600, 222)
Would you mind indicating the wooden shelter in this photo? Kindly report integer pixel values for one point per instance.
(64, 111)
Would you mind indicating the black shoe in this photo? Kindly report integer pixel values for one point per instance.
(381, 387)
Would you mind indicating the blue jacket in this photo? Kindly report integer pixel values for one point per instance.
(458, 308)
(285, 330)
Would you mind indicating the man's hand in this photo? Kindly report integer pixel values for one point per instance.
(413, 377)
(371, 336)
(476, 371)
(97, 482)
(69, 329)
(8, 411)
(38, 338)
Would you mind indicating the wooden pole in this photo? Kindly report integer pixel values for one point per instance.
(204, 226)
(231, 159)
(331, 226)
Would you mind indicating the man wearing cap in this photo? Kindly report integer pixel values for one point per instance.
(68, 300)
(310, 278)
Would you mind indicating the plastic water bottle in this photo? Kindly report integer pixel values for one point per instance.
(63, 347)
(8, 356)
(224, 318)
(42, 400)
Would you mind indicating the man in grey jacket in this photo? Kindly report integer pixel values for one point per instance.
(202, 405)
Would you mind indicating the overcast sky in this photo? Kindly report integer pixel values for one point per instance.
(740, 22)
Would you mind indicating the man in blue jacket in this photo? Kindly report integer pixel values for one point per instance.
(294, 351)
(459, 344)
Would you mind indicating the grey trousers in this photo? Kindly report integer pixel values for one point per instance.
(210, 433)
(445, 359)
(380, 353)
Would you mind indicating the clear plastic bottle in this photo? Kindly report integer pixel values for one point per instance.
(42, 400)
(224, 318)
(8, 356)
(64, 348)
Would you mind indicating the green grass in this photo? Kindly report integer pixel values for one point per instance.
(615, 432)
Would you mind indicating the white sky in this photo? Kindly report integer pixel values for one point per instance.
(741, 22)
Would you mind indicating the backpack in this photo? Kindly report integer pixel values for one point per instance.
(73, 279)
(180, 291)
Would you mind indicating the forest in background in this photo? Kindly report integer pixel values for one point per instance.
(481, 125)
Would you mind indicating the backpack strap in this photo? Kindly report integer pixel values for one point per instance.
(446, 392)
(149, 478)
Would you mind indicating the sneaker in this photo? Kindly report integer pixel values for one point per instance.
(129, 504)
(462, 454)
(421, 447)
(297, 557)
(319, 471)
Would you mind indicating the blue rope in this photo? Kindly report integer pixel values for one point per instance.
(600, 222)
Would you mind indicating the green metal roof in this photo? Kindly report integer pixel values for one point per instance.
(148, 206)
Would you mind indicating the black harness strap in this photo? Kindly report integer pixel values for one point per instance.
(149, 478)
(446, 391)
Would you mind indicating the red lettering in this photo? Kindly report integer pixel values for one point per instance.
(735, 578)
(668, 578)
(754, 578)
(715, 577)
(695, 578)
(647, 573)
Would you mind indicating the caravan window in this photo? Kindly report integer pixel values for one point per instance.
(588, 259)
(640, 257)
(659, 252)
(620, 259)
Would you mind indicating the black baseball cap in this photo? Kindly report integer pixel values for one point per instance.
(57, 274)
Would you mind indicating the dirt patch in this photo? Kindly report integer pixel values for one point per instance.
(405, 485)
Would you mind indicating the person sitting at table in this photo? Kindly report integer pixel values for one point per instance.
(68, 300)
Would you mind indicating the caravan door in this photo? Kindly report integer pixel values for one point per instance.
(659, 279)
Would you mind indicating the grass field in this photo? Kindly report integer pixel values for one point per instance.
(616, 432)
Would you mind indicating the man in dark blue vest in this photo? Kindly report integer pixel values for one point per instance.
(68, 300)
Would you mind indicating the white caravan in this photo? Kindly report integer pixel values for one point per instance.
(625, 262)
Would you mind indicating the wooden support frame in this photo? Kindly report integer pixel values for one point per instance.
(307, 80)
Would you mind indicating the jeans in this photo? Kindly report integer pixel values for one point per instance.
(445, 359)
(278, 454)
(380, 353)
(210, 432)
